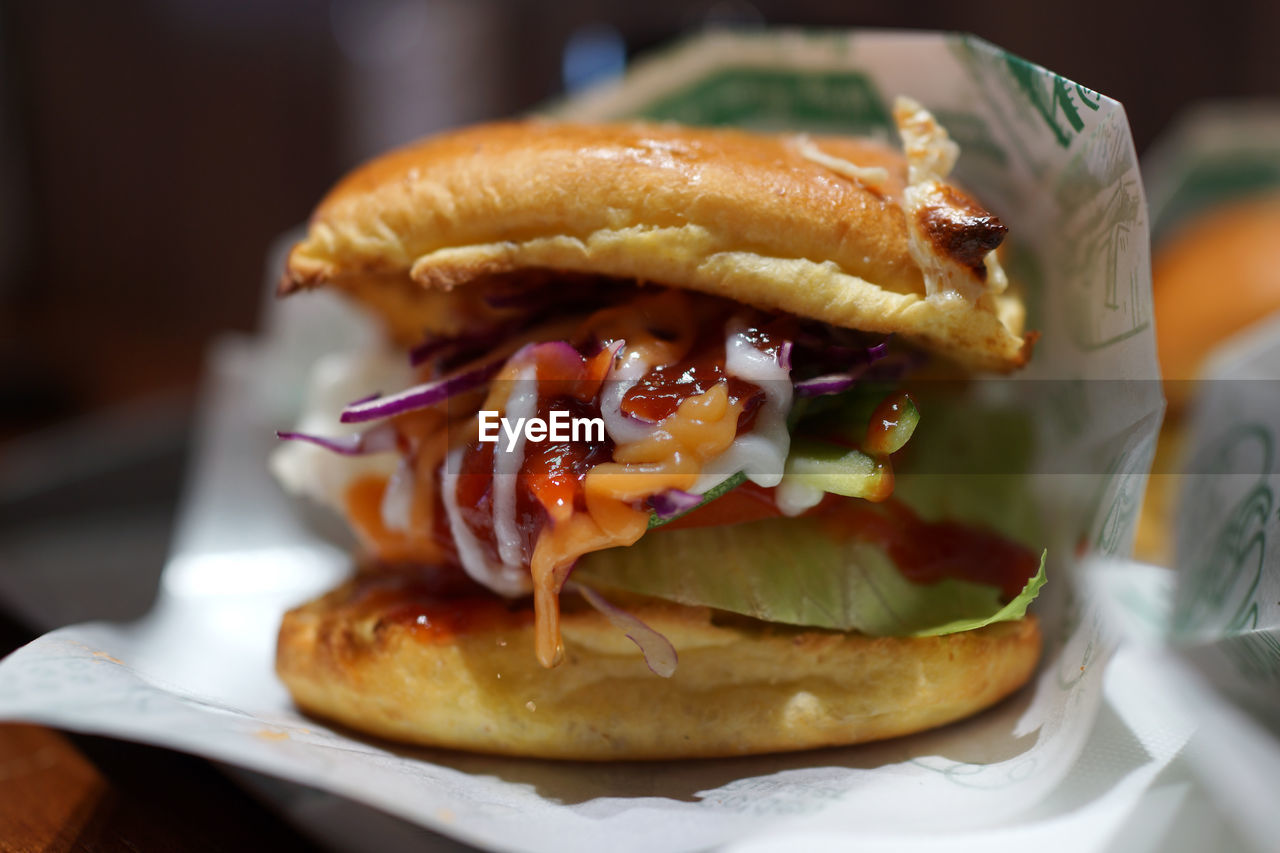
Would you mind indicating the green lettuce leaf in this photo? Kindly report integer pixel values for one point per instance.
(970, 462)
(791, 571)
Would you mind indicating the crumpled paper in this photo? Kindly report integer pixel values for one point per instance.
(1055, 764)
(1224, 612)
(1207, 628)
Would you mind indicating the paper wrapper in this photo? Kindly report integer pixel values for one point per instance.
(1209, 627)
(1056, 161)
(1207, 632)
(1226, 613)
(1226, 608)
(1217, 152)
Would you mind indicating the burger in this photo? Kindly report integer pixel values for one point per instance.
(622, 477)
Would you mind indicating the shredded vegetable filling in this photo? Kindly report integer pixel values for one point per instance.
(661, 376)
(698, 403)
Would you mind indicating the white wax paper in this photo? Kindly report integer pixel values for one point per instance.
(1225, 611)
(1055, 160)
(1207, 630)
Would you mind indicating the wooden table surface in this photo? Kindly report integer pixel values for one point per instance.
(62, 792)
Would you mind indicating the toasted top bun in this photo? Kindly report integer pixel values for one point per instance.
(782, 222)
(379, 656)
(1217, 275)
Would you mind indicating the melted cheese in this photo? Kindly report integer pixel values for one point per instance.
(429, 436)
(670, 457)
(692, 449)
(648, 458)
(871, 176)
(931, 154)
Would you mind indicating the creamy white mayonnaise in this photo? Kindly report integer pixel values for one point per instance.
(335, 380)
(762, 453)
(502, 579)
(522, 402)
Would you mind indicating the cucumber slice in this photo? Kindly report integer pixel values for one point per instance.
(711, 494)
(891, 425)
(838, 470)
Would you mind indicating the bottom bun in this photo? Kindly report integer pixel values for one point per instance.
(384, 656)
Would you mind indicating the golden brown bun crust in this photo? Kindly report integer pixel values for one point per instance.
(469, 680)
(514, 181)
(739, 215)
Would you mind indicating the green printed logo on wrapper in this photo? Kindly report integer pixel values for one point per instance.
(1096, 264)
(1219, 596)
(1126, 481)
(765, 97)
(1108, 297)
(1224, 578)
(1058, 101)
(1256, 656)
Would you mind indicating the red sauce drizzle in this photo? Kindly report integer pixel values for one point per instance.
(924, 551)
(885, 422)
(552, 474)
(661, 391)
(931, 551)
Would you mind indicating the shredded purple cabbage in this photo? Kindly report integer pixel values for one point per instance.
(839, 347)
(379, 439)
(562, 351)
(419, 396)
(451, 347)
(854, 359)
(831, 383)
(659, 655)
(673, 502)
